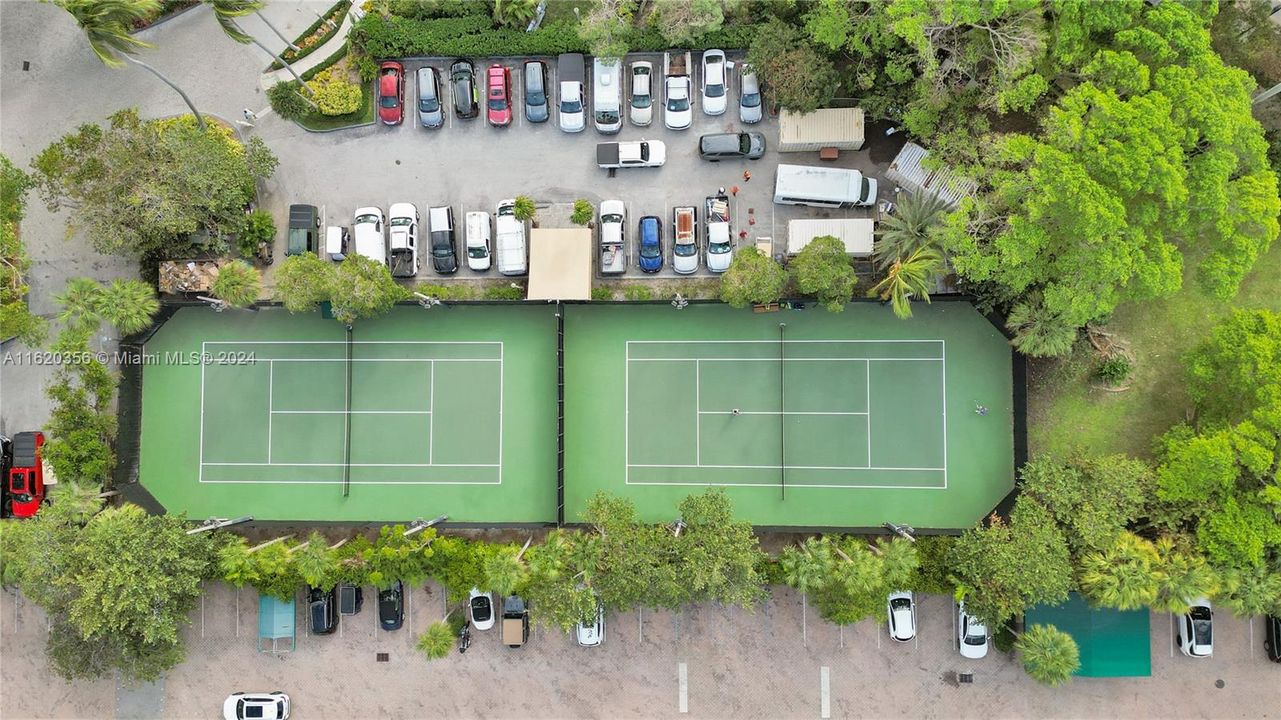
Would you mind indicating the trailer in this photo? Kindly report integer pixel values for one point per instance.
(28, 476)
(613, 240)
(856, 234)
(840, 128)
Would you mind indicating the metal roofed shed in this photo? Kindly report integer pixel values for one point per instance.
(1113, 643)
(909, 171)
(560, 264)
(856, 234)
(840, 128)
(276, 632)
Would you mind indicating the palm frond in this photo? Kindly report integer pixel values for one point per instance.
(106, 25)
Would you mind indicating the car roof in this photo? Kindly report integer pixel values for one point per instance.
(497, 70)
(426, 72)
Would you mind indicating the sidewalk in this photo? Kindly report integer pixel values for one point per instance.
(317, 56)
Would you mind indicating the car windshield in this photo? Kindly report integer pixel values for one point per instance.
(497, 103)
(399, 221)
(715, 90)
(866, 189)
(718, 248)
(607, 117)
(752, 100)
(429, 105)
(900, 603)
(481, 609)
(571, 106)
(678, 104)
(536, 98)
(975, 634)
(641, 102)
(366, 219)
(477, 252)
(649, 251)
(388, 101)
(685, 249)
(252, 710)
(744, 143)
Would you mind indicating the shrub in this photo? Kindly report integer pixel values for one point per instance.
(286, 102)
(452, 291)
(752, 279)
(328, 62)
(436, 641)
(600, 292)
(638, 293)
(334, 94)
(1114, 369)
(238, 283)
(313, 37)
(365, 65)
(525, 208)
(504, 292)
(583, 212)
(259, 227)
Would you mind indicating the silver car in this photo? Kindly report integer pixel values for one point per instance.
(430, 114)
(592, 633)
(749, 96)
(642, 87)
(715, 82)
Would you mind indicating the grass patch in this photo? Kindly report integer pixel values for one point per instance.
(1070, 410)
(563, 10)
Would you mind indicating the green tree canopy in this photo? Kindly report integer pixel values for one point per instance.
(1122, 575)
(798, 77)
(848, 578)
(1049, 655)
(822, 269)
(145, 187)
(363, 288)
(1231, 372)
(753, 278)
(1091, 498)
(238, 283)
(303, 282)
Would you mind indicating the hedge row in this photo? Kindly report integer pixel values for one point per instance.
(336, 13)
(475, 36)
(326, 63)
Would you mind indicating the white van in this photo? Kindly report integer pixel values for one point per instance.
(823, 187)
(510, 240)
(370, 238)
(608, 96)
(478, 257)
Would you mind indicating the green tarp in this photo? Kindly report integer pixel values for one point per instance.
(1113, 643)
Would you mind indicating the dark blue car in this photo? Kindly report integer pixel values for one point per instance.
(651, 244)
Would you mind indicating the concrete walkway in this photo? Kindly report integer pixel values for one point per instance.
(317, 56)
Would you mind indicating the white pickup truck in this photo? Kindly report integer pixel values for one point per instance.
(720, 245)
(635, 153)
(613, 241)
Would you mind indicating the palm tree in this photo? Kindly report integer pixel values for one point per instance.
(1039, 332)
(1182, 577)
(898, 559)
(505, 571)
(128, 305)
(106, 25)
(226, 11)
(1123, 576)
(315, 561)
(908, 229)
(806, 568)
(515, 13)
(437, 640)
(1050, 655)
(238, 284)
(909, 278)
(79, 303)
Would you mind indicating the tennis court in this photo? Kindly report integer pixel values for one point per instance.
(416, 414)
(806, 418)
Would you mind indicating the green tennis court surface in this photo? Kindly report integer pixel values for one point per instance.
(450, 411)
(852, 419)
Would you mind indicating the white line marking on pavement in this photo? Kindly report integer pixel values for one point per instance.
(1171, 635)
(841, 631)
(804, 612)
(202, 609)
(640, 625)
(825, 692)
(683, 680)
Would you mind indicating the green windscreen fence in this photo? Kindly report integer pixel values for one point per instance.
(1113, 643)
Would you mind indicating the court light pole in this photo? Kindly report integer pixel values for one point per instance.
(419, 525)
(215, 303)
(907, 532)
(218, 523)
(428, 302)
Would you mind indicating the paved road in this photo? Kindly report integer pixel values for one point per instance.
(766, 664)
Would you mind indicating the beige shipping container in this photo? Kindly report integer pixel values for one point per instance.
(856, 234)
(841, 128)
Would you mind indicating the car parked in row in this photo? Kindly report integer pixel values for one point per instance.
(323, 610)
(304, 222)
(685, 240)
(498, 106)
(1196, 630)
(256, 706)
(678, 115)
(391, 92)
(715, 82)
(641, 108)
(971, 634)
(731, 146)
(901, 609)
(591, 633)
(1272, 637)
(462, 80)
(430, 114)
(480, 609)
(536, 103)
(391, 607)
(749, 96)
(444, 247)
(402, 231)
(573, 104)
(479, 256)
(515, 621)
(650, 234)
(368, 234)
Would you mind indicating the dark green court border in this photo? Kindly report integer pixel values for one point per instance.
(129, 411)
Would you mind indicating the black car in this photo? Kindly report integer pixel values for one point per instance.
(462, 78)
(391, 606)
(350, 599)
(324, 610)
(304, 222)
(536, 91)
(444, 253)
(729, 146)
(1272, 637)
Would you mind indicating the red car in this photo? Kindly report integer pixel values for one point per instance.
(391, 92)
(500, 104)
(25, 484)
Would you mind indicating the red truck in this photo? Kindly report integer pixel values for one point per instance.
(24, 488)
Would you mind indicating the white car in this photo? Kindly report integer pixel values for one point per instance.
(685, 243)
(715, 85)
(749, 96)
(901, 609)
(367, 233)
(592, 634)
(256, 706)
(573, 115)
(1196, 630)
(480, 609)
(402, 235)
(641, 110)
(971, 635)
(478, 241)
(678, 115)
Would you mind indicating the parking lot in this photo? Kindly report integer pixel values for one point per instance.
(471, 166)
(780, 661)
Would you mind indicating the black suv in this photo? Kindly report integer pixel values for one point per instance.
(391, 607)
(444, 249)
(730, 146)
(304, 220)
(1272, 637)
(324, 610)
(462, 77)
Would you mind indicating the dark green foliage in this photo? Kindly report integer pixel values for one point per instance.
(286, 102)
(1113, 370)
(637, 293)
(258, 227)
(601, 292)
(504, 292)
(798, 77)
(932, 574)
(1091, 498)
(1231, 372)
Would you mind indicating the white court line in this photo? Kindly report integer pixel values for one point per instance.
(627, 412)
(774, 359)
(682, 675)
(944, 416)
(373, 360)
(405, 465)
(771, 342)
(271, 412)
(698, 412)
(502, 370)
(431, 417)
(868, 368)
(789, 467)
(355, 342)
(790, 484)
(824, 692)
(776, 412)
(200, 473)
(353, 482)
(350, 412)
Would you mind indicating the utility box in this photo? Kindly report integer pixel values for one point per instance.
(840, 128)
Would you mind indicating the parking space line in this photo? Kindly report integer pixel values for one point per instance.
(682, 673)
(553, 108)
(238, 612)
(518, 88)
(840, 629)
(1171, 635)
(804, 618)
(202, 609)
(640, 625)
(825, 692)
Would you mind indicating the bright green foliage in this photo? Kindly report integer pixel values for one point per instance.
(515, 13)
(932, 573)
(82, 427)
(505, 571)
(334, 93)
(605, 28)
(798, 77)
(907, 278)
(120, 588)
(524, 209)
(143, 187)
(315, 563)
(560, 574)
(1049, 655)
(303, 282)
(1239, 533)
(753, 278)
(1091, 498)
(1079, 25)
(235, 563)
(681, 21)
(1182, 576)
(822, 269)
(627, 574)
(909, 229)
(128, 305)
(718, 555)
(1252, 591)
(1122, 575)
(1231, 372)
(286, 100)
(238, 283)
(363, 288)
(259, 227)
(847, 578)
(1003, 568)
(583, 212)
(15, 318)
(393, 556)
(459, 565)
(436, 641)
